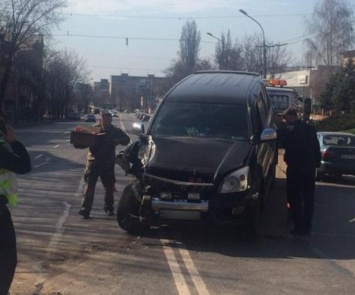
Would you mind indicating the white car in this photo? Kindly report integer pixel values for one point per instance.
(114, 113)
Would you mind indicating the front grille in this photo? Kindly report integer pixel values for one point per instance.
(179, 190)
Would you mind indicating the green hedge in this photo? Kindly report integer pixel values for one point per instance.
(340, 122)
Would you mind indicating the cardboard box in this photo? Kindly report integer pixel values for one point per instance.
(88, 128)
(85, 139)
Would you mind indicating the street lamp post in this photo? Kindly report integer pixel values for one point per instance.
(213, 36)
(264, 45)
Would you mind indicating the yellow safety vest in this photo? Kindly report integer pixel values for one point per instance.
(8, 185)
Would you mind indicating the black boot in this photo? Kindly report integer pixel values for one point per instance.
(84, 213)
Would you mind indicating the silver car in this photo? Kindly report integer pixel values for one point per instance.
(338, 154)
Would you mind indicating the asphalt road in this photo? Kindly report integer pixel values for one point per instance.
(60, 253)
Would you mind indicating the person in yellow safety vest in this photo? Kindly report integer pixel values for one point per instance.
(14, 159)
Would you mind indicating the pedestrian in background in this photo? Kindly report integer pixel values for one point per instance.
(14, 159)
(302, 156)
(101, 163)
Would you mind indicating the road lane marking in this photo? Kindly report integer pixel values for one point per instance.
(195, 275)
(40, 155)
(59, 229)
(43, 163)
(56, 146)
(175, 269)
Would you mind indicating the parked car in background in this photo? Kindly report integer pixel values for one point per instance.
(338, 154)
(74, 116)
(90, 118)
(145, 118)
(114, 113)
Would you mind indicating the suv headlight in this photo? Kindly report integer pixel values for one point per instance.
(236, 181)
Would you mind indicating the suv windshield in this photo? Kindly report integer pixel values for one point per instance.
(197, 119)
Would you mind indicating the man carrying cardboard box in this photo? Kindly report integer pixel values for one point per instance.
(101, 163)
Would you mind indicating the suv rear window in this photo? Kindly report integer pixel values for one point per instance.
(197, 119)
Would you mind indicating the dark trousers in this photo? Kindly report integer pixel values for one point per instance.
(107, 175)
(8, 253)
(300, 195)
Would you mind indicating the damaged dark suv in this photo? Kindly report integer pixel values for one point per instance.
(211, 154)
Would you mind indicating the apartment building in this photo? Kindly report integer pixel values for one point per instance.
(135, 92)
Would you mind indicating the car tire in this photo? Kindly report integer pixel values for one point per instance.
(128, 212)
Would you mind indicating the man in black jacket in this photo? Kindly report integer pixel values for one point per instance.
(302, 156)
(101, 163)
(14, 158)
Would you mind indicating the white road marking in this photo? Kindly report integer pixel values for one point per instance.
(195, 275)
(56, 146)
(178, 276)
(38, 156)
(43, 163)
(59, 229)
(179, 279)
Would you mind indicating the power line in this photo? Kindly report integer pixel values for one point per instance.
(114, 37)
(120, 38)
(184, 17)
(287, 42)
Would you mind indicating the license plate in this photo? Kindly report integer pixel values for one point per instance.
(347, 156)
(193, 196)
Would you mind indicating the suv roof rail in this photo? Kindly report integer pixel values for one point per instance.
(227, 72)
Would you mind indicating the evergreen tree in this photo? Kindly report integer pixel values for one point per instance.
(325, 97)
(343, 94)
(339, 93)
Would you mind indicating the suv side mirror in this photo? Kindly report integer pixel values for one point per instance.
(268, 134)
(138, 129)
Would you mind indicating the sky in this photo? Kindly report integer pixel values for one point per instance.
(97, 30)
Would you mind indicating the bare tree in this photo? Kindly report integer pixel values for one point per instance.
(223, 51)
(228, 56)
(20, 22)
(278, 59)
(204, 64)
(253, 53)
(188, 60)
(63, 72)
(331, 25)
(277, 56)
(189, 46)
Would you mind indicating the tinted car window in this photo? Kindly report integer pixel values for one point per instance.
(197, 119)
